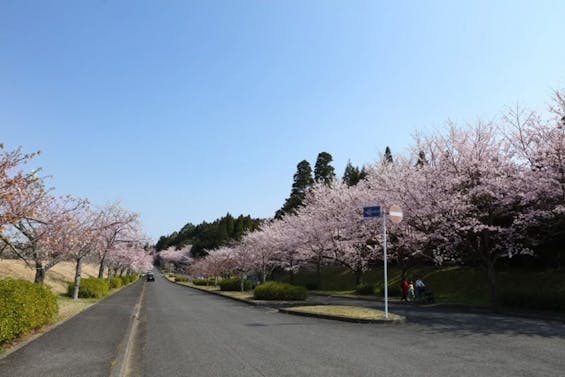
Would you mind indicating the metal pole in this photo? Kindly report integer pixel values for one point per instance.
(385, 263)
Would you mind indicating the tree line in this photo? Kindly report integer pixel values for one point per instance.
(484, 194)
(207, 236)
(42, 229)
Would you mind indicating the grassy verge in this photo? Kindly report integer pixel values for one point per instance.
(247, 295)
(464, 285)
(69, 307)
(353, 312)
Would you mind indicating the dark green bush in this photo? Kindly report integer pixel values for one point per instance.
(541, 300)
(181, 278)
(115, 282)
(234, 284)
(24, 306)
(272, 290)
(90, 288)
(365, 289)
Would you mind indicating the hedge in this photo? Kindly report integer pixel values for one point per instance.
(234, 284)
(115, 282)
(90, 288)
(24, 306)
(126, 279)
(209, 281)
(181, 278)
(273, 290)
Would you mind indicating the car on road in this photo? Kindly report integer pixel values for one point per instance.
(150, 276)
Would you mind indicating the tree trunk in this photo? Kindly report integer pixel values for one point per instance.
(319, 274)
(39, 272)
(101, 268)
(358, 275)
(77, 278)
(241, 285)
(491, 273)
(264, 274)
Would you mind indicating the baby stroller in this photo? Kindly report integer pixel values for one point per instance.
(426, 296)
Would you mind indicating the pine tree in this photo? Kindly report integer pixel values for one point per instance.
(302, 181)
(323, 170)
(351, 174)
(388, 156)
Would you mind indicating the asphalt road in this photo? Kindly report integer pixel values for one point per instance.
(88, 344)
(184, 332)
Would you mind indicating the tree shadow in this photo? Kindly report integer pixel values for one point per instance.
(472, 324)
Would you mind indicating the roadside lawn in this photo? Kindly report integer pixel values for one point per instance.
(463, 285)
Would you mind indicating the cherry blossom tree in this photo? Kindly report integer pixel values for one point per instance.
(483, 196)
(261, 244)
(17, 187)
(79, 235)
(539, 147)
(180, 257)
(119, 226)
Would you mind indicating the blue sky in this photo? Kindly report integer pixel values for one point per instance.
(185, 110)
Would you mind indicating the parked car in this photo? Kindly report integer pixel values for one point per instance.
(150, 276)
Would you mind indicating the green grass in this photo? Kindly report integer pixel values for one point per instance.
(464, 285)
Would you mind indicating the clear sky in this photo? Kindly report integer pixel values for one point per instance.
(185, 110)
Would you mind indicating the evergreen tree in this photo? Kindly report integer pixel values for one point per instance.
(353, 175)
(421, 159)
(323, 170)
(350, 175)
(388, 156)
(302, 181)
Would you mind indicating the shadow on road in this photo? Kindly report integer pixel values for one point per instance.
(464, 324)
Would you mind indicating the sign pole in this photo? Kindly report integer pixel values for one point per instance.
(385, 265)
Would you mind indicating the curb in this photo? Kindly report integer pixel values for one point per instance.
(343, 318)
(467, 308)
(286, 307)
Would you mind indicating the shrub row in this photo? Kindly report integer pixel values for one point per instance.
(126, 279)
(234, 284)
(116, 282)
(181, 278)
(90, 288)
(204, 281)
(273, 290)
(99, 287)
(24, 306)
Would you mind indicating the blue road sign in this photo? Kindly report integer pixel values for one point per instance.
(372, 211)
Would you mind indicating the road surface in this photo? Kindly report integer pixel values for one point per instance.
(189, 333)
(184, 332)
